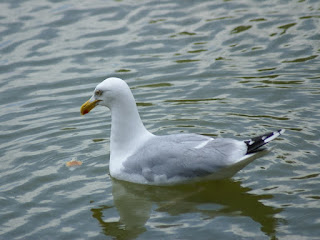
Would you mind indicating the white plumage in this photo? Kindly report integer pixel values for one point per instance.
(136, 155)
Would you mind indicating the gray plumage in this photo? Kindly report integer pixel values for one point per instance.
(136, 155)
(177, 156)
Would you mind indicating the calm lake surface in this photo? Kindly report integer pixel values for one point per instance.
(222, 68)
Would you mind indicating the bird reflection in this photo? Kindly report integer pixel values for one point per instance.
(227, 198)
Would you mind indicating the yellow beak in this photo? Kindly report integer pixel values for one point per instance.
(88, 106)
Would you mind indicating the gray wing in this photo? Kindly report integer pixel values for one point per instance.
(183, 156)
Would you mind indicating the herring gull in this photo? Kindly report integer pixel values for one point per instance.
(138, 156)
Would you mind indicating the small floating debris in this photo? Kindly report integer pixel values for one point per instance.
(73, 163)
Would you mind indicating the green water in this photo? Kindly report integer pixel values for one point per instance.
(221, 68)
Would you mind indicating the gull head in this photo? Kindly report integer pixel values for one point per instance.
(107, 93)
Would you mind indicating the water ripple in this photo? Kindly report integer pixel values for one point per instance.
(223, 69)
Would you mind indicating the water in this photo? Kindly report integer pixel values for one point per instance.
(222, 68)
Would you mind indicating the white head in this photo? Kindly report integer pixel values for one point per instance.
(127, 129)
(108, 93)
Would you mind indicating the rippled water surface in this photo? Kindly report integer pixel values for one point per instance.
(222, 68)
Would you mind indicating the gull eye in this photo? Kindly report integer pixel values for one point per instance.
(98, 93)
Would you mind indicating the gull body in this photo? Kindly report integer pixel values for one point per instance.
(136, 155)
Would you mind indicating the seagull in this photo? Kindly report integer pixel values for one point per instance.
(137, 155)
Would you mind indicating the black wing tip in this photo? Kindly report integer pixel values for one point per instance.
(255, 144)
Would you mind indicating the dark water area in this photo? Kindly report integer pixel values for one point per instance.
(221, 68)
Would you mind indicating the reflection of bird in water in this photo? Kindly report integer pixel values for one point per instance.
(211, 199)
(139, 156)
